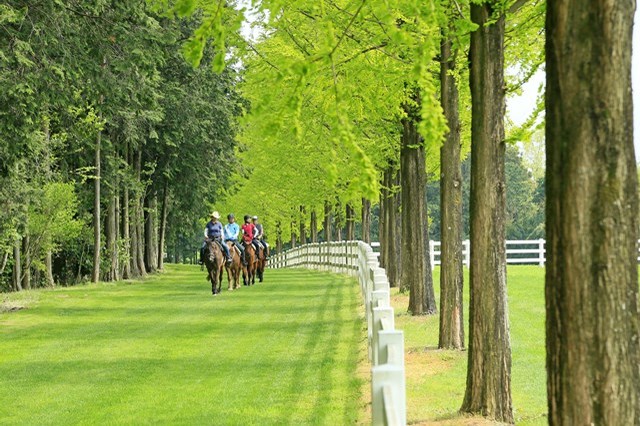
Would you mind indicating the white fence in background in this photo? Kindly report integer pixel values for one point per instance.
(386, 344)
(519, 252)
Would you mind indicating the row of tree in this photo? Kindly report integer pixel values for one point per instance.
(112, 147)
(355, 101)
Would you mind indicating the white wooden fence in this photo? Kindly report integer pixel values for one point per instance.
(386, 344)
(521, 252)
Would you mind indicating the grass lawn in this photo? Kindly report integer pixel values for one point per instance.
(165, 351)
(436, 378)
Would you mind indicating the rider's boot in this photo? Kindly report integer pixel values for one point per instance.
(201, 261)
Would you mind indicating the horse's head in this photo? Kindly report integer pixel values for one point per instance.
(211, 254)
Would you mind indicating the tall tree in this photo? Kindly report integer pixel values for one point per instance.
(416, 272)
(488, 390)
(451, 334)
(591, 288)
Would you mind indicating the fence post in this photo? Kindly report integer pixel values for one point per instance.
(541, 252)
(388, 395)
(378, 316)
(391, 347)
(466, 252)
(432, 254)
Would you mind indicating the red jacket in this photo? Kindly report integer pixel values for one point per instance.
(247, 232)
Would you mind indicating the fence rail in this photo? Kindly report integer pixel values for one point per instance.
(519, 252)
(386, 344)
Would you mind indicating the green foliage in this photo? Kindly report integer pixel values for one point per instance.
(525, 216)
(525, 199)
(52, 216)
(70, 74)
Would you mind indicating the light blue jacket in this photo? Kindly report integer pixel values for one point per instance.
(231, 231)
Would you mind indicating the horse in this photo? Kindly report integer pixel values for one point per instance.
(248, 273)
(214, 260)
(235, 268)
(262, 262)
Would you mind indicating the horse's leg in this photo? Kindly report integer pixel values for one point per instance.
(229, 279)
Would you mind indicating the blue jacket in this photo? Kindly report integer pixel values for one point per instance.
(213, 230)
(231, 231)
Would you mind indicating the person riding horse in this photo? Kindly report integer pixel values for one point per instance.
(259, 236)
(248, 234)
(231, 233)
(213, 231)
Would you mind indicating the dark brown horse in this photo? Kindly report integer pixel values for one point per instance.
(262, 262)
(214, 260)
(249, 271)
(234, 270)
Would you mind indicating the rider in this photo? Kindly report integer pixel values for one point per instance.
(259, 237)
(231, 231)
(248, 231)
(213, 231)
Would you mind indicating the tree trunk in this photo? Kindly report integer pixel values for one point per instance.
(48, 258)
(112, 274)
(303, 229)
(366, 221)
(337, 226)
(314, 226)
(129, 265)
(417, 271)
(5, 259)
(451, 278)
(26, 268)
(148, 232)
(139, 222)
(17, 267)
(117, 266)
(328, 220)
(48, 263)
(163, 226)
(279, 237)
(96, 213)
(134, 262)
(382, 221)
(488, 390)
(350, 219)
(150, 256)
(591, 291)
(293, 235)
(394, 232)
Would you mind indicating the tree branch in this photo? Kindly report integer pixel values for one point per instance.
(517, 6)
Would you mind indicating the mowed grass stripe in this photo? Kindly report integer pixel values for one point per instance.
(166, 351)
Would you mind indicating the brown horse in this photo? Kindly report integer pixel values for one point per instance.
(214, 260)
(235, 268)
(249, 271)
(262, 262)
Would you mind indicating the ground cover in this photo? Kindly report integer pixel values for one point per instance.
(165, 351)
(436, 378)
